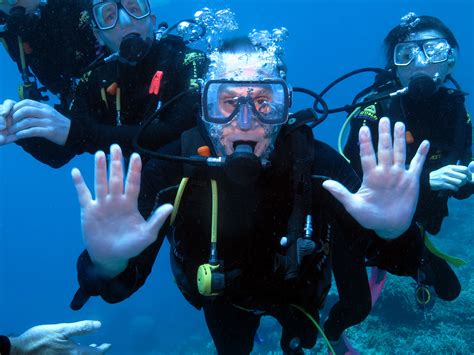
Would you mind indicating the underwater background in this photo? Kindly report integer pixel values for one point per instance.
(40, 235)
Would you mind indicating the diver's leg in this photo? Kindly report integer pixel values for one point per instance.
(232, 329)
(436, 272)
(352, 283)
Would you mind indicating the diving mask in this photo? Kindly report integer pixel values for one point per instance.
(265, 101)
(435, 50)
(106, 13)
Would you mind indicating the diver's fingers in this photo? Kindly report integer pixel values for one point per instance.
(399, 145)
(446, 185)
(454, 182)
(6, 138)
(384, 149)
(132, 186)
(83, 192)
(30, 122)
(29, 112)
(83, 327)
(416, 164)
(116, 171)
(5, 111)
(367, 154)
(6, 107)
(156, 221)
(28, 103)
(101, 186)
(463, 176)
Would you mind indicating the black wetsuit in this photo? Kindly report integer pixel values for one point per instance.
(443, 120)
(251, 221)
(93, 114)
(4, 345)
(57, 45)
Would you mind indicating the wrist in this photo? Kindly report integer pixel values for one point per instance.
(16, 346)
(110, 269)
(388, 233)
(65, 134)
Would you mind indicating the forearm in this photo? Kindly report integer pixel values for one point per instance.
(93, 282)
(47, 152)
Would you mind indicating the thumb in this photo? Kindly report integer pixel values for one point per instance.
(156, 221)
(79, 328)
(339, 192)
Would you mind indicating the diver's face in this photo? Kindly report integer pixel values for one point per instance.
(244, 126)
(126, 24)
(421, 65)
(30, 5)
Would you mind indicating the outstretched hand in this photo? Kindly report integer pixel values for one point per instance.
(113, 229)
(56, 339)
(387, 198)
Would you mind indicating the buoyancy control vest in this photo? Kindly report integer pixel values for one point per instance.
(259, 270)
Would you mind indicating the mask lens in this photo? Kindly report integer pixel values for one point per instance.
(404, 53)
(436, 51)
(266, 102)
(105, 15)
(138, 9)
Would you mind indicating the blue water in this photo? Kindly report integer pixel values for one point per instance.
(40, 236)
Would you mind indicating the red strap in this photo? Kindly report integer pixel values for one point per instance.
(155, 83)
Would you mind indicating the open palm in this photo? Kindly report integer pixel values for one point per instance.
(113, 228)
(387, 198)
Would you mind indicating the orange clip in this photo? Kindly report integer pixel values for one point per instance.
(204, 151)
(409, 137)
(155, 83)
(27, 48)
(112, 89)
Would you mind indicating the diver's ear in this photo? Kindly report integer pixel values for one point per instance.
(452, 59)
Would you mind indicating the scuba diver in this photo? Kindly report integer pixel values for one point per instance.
(421, 56)
(258, 204)
(138, 74)
(51, 42)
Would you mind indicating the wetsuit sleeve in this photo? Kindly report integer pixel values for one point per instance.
(5, 345)
(156, 176)
(46, 152)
